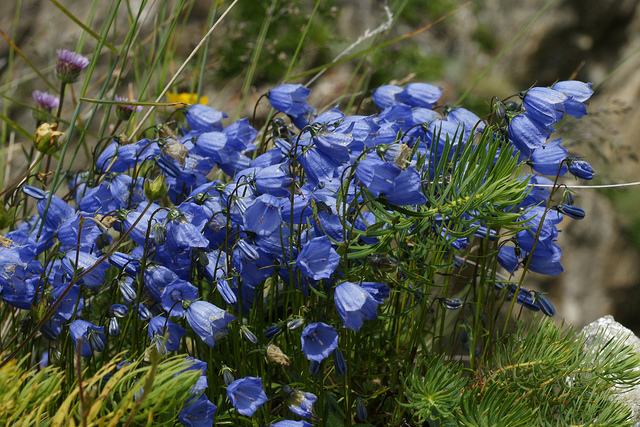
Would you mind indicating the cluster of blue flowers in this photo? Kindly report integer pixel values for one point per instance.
(237, 214)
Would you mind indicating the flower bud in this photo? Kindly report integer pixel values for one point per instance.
(545, 305)
(248, 335)
(159, 234)
(452, 304)
(168, 167)
(47, 139)
(96, 341)
(580, 168)
(339, 362)
(129, 294)
(572, 211)
(118, 310)
(156, 189)
(272, 332)
(113, 327)
(295, 323)
(361, 409)
(227, 375)
(314, 367)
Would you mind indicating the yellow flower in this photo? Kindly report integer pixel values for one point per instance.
(186, 98)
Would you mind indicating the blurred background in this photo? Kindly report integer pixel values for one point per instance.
(590, 40)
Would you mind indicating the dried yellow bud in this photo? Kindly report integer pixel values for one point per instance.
(47, 139)
(274, 354)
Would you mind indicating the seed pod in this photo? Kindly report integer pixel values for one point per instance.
(275, 354)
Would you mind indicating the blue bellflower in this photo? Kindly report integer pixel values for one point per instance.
(199, 413)
(159, 326)
(208, 321)
(317, 259)
(92, 337)
(355, 304)
(247, 395)
(299, 402)
(318, 341)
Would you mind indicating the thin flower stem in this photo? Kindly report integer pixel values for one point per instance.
(182, 67)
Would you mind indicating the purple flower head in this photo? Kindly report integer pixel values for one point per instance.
(247, 395)
(124, 111)
(69, 65)
(356, 303)
(45, 101)
(290, 99)
(92, 337)
(299, 402)
(208, 321)
(198, 414)
(317, 259)
(204, 119)
(159, 326)
(318, 341)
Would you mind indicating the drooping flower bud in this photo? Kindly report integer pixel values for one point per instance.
(339, 362)
(572, 211)
(361, 409)
(47, 139)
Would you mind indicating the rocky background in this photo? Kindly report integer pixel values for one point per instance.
(585, 39)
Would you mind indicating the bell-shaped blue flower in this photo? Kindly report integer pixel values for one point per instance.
(318, 341)
(208, 321)
(247, 395)
(355, 304)
(385, 96)
(173, 295)
(299, 402)
(92, 337)
(198, 413)
(578, 93)
(544, 105)
(527, 134)
(263, 215)
(548, 159)
(290, 99)
(419, 95)
(74, 260)
(317, 259)
(159, 326)
(204, 118)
